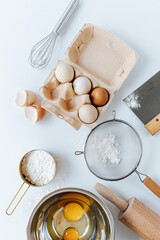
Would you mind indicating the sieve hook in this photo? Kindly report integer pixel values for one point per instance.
(114, 114)
(139, 175)
(149, 183)
(78, 153)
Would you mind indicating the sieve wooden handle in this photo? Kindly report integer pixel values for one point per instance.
(112, 197)
(152, 185)
(10, 213)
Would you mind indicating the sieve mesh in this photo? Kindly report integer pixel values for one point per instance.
(130, 147)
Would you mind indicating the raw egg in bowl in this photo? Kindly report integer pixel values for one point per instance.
(70, 214)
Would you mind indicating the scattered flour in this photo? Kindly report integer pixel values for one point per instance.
(58, 183)
(41, 193)
(38, 167)
(133, 101)
(79, 143)
(106, 150)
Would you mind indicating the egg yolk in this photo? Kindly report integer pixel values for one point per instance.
(73, 212)
(71, 234)
(85, 202)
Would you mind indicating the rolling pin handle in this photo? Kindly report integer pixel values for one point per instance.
(114, 114)
(112, 197)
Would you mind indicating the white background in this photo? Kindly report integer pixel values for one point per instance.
(22, 24)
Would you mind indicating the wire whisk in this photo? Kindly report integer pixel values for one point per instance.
(41, 53)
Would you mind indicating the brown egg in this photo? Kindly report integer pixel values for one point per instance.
(99, 96)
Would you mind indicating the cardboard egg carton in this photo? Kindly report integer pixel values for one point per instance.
(98, 55)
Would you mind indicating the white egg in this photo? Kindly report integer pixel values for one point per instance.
(64, 72)
(82, 85)
(88, 113)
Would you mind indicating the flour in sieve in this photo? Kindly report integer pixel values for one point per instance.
(106, 150)
(38, 167)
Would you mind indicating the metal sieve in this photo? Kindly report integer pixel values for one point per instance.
(25, 181)
(130, 146)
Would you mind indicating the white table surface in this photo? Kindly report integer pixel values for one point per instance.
(22, 24)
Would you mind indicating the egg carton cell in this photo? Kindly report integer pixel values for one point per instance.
(96, 54)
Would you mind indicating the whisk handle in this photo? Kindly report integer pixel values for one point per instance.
(65, 17)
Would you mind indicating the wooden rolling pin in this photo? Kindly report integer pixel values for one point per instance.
(134, 214)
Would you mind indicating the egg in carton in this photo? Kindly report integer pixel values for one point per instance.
(101, 57)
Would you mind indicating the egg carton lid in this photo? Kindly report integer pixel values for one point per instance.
(102, 55)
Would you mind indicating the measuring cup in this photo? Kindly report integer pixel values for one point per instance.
(25, 181)
(130, 146)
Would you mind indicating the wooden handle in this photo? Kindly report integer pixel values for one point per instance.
(112, 197)
(153, 186)
(141, 219)
(154, 125)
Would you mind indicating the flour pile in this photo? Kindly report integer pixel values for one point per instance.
(38, 167)
(106, 149)
(133, 101)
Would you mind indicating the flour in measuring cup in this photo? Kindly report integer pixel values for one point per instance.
(106, 149)
(38, 167)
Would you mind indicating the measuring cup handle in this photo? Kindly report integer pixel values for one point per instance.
(15, 198)
(152, 185)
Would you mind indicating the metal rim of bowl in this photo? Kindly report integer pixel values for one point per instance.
(140, 142)
(74, 190)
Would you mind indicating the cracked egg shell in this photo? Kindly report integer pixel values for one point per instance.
(34, 113)
(25, 98)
